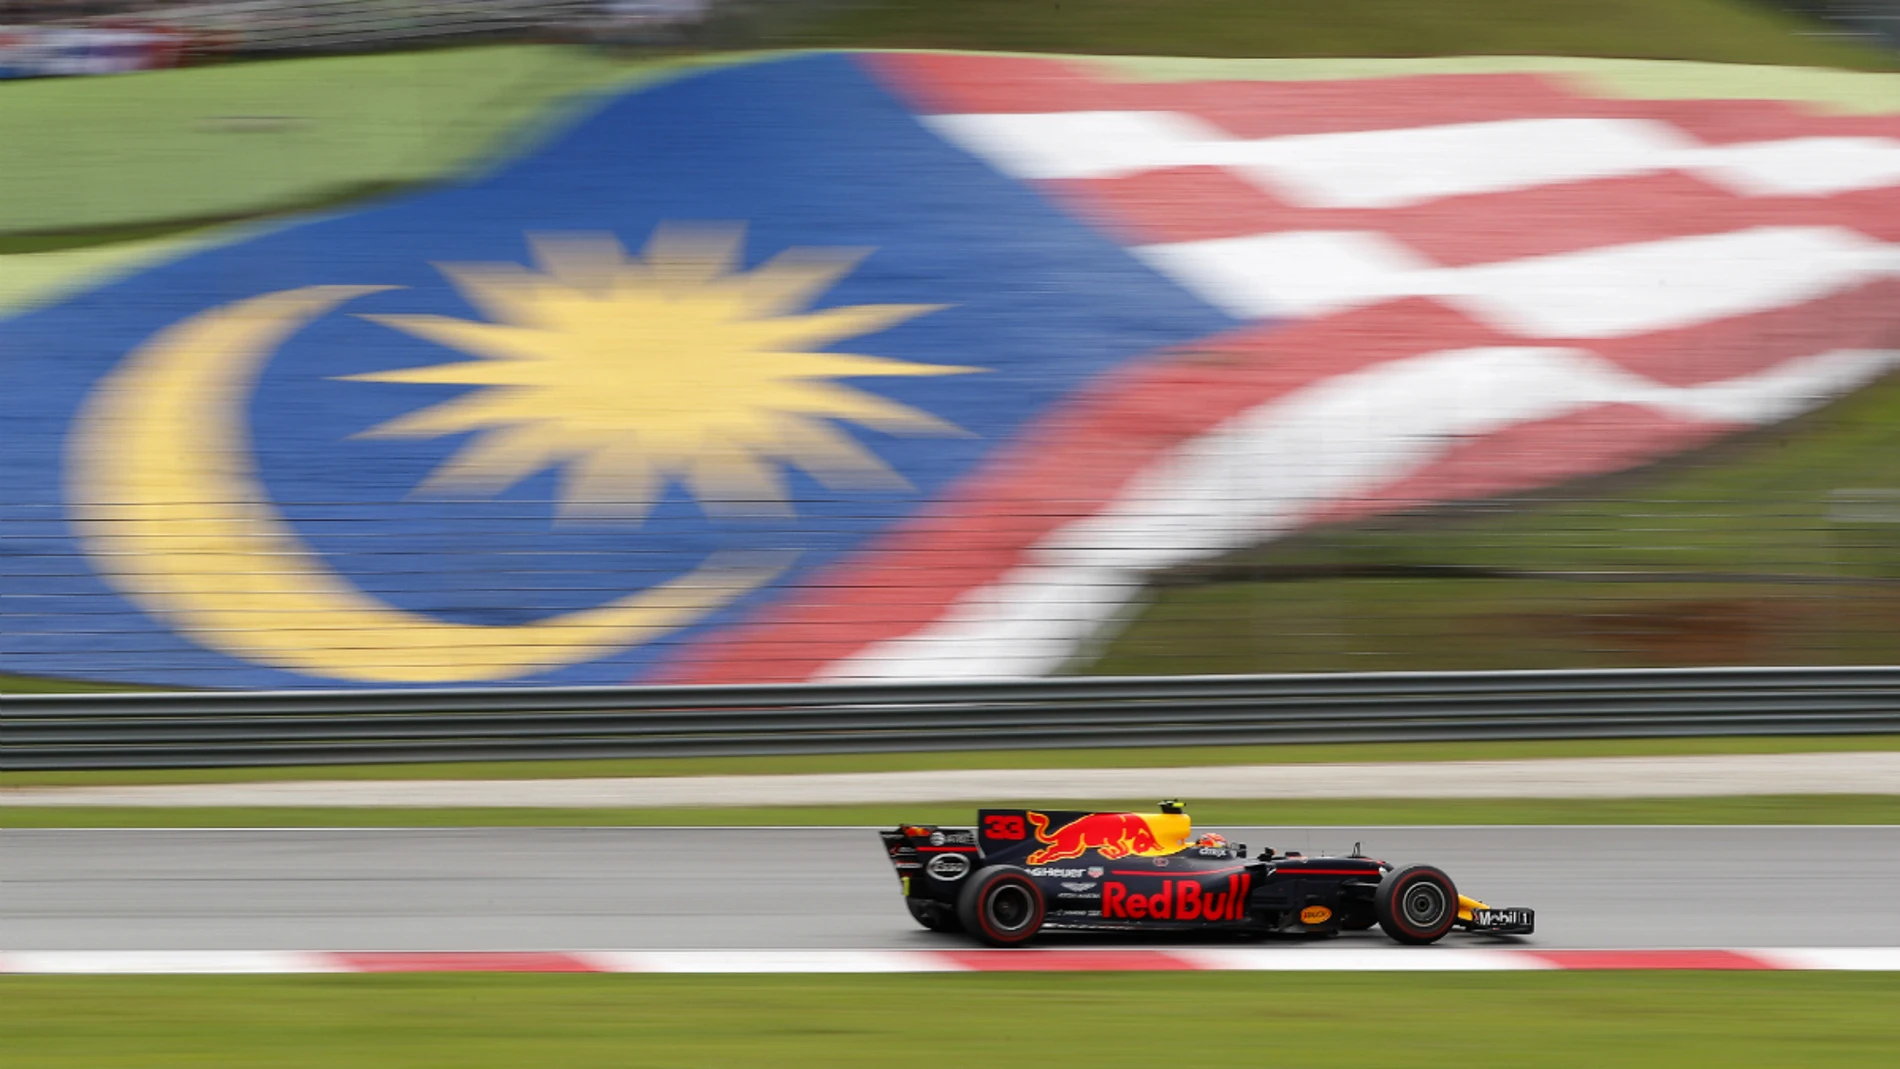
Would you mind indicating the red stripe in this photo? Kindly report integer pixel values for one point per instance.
(1083, 453)
(952, 85)
(1071, 465)
(946, 849)
(1568, 216)
(1163, 872)
(962, 84)
(1205, 203)
(1297, 870)
(1068, 960)
(459, 961)
(1724, 122)
(1874, 212)
(1190, 204)
(1612, 438)
(1862, 317)
(1199, 203)
(937, 84)
(1289, 109)
(1649, 959)
(1080, 456)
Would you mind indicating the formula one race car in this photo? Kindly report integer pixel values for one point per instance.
(1022, 870)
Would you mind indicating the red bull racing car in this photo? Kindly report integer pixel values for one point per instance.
(1020, 871)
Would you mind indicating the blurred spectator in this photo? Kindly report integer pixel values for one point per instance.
(652, 21)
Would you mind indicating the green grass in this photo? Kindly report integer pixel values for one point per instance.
(107, 160)
(1146, 757)
(1723, 31)
(1467, 1021)
(1374, 812)
(1741, 554)
(94, 160)
(126, 234)
(18, 684)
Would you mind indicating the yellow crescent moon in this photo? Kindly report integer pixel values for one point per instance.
(169, 506)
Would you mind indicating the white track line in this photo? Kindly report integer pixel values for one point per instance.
(1219, 959)
(1705, 775)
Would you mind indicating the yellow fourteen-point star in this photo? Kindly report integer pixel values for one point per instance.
(630, 373)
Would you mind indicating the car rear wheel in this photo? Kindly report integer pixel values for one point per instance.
(1002, 906)
(1417, 905)
(935, 916)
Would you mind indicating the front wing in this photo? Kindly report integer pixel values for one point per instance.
(1516, 920)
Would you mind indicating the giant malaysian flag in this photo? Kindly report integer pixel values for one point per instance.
(909, 366)
(1452, 285)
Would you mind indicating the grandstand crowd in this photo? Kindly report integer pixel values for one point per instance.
(57, 37)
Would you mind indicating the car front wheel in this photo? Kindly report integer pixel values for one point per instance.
(1002, 906)
(1417, 904)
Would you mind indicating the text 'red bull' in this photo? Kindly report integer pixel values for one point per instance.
(1179, 900)
(1115, 835)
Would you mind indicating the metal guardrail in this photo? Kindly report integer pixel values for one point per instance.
(1873, 22)
(330, 727)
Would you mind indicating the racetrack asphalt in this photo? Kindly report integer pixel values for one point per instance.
(799, 888)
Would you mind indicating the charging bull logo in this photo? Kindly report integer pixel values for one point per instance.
(1114, 835)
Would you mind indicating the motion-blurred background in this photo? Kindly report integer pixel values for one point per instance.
(508, 344)
(1547, 334)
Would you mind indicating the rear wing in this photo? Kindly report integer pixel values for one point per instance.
(910, 846)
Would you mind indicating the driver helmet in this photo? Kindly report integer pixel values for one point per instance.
(1211, 839)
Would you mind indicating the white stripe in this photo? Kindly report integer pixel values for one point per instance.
(1263, 472)
(1358, 169)
(1394, 168)
(1288, 957)
(1307, 958)
(1292, 273)
(1861, 959)
(1609, 292)
(162, 962)
(1634, 289)
(1078, 144)
(767, 961)
(1801, 166)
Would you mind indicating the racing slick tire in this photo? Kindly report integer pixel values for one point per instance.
(1416, 905)
(1001, 906)
(934, 915)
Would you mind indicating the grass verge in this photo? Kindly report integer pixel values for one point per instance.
(1721, 31)
(13, 683)
(1146, 757)
(1471, 1021)
(1768, 549)
(1210, 813)
(96, 160)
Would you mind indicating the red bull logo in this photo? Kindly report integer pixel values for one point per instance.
(1114, 835)
(1179, 900)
